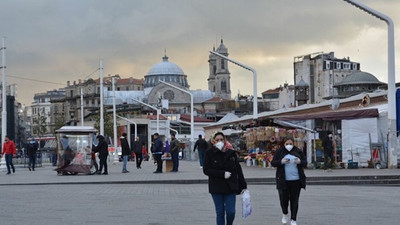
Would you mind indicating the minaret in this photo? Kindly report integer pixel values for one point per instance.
(212, 60)
(219, 70)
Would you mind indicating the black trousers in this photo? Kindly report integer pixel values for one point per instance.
(290, 194)
(328, 160)
(157, 157)
(139, 159)
(103, 163)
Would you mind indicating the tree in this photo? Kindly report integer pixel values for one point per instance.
(108, 123)
(39, 125)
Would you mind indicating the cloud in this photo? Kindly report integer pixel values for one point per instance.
(64, 40)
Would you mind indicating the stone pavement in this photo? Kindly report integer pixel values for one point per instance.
(189, 173)
(143, 198)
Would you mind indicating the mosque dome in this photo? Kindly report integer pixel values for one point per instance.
(359, 78)
(165, 71)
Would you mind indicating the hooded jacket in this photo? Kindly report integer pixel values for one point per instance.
(280, 168)
(125, 146)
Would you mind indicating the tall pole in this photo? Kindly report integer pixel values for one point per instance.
(191, 108)
(82, 114)
(114, 120)
(101, 99)
(392, 150)
(4, 87)
(255, 100)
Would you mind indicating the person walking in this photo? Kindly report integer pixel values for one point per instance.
(126, 152)
(157, 150)
(102, 149)
(9, 150)
(137, 149)
(327, 143)
(31, 148)
(225, 178)
(290, 162)
(174, 149)
(202, 146)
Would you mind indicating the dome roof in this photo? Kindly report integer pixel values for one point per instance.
(301, 83)
(221, 48)
(165, 68)
(359, 78)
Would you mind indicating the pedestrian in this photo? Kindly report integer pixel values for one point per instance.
(202, 146)
(9, 150)
(31, 148)
(327, 144)
(290, 162)
(225, 178)
(137, 149)
(174, 149)
(102, 149)
(157, 150)
(126, 152)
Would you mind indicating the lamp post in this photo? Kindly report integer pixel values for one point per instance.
(191, 108)
(82, 113)
(114, 120)
(131, 121)
(255, 101)
(155, 108)
(392, 151)
(101, 99)
(4, 87)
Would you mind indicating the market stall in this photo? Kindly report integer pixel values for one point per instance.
(262, 143)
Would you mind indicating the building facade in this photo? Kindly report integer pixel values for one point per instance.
(321, 71)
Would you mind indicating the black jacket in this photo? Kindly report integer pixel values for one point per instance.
(216, 163)
(31, 148)
(201, 144)
(280, 168)
(101, 148)
(125, 146)
(137, 147)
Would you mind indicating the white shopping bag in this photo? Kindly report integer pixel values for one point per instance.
(246, 204)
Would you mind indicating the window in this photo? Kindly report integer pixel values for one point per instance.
(222, 64)
(338, 65)
(223, 86)
(327, 65)
(214, 70)
(346, 66)
(354, 66)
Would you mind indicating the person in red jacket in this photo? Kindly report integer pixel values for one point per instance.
(10, 151)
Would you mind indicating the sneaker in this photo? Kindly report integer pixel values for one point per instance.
(293, 222)
(285, 218)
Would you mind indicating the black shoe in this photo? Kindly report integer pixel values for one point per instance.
(98, 172)
(105, 173)
(157, 172)
(13, 170)
(29, 168)
(8, 173)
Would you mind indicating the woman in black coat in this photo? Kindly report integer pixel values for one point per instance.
(225, 178)
(290, 162)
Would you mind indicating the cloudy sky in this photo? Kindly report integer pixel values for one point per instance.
(51, 42)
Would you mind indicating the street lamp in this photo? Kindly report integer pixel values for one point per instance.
(158, 113)
(114, 119)
(255, 101)
(4, 87)
(101, 99)
(191, 108)
(126, 119)
(392, 151)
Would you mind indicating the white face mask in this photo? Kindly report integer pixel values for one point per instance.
(289, 147)
(219, 145)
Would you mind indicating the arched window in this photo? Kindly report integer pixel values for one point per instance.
(222, 64)
(223, 86)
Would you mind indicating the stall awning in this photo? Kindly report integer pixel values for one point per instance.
(334, 115)
(293, 125)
